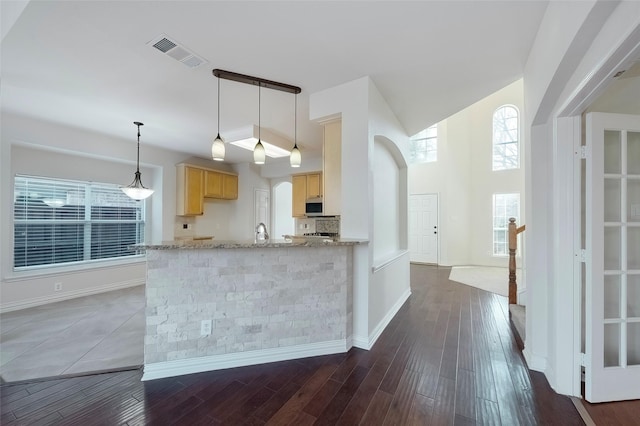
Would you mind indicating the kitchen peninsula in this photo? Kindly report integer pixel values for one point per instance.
(221, 304)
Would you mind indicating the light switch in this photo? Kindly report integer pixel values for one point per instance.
(635, 210)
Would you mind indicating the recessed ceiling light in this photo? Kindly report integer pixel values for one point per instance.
(247, 138)
(269, 149)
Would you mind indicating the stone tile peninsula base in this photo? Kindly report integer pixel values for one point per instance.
(266, 303)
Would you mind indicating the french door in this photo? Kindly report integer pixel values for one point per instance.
(613, 257)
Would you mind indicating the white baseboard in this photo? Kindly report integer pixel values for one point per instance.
(535, 362)
(159, 370)
(384, 322)
(361, 342)
(43, 300)
(521, 297)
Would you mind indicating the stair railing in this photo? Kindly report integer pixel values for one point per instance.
(514, 230)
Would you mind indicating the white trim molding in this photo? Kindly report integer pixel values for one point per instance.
(386, 261)
(384, 322)
(43, 300)
(535, 362)
(159, 370)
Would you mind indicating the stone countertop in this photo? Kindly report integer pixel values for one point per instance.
(234, 244)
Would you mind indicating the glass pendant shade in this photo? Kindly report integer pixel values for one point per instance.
(295, 158)
(218, 149)
(258, 153)
(136, 189)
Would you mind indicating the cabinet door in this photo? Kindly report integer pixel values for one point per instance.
(229, 187)
(332, 168)
(194, 203)
(299, 192)
(314, 185)
(213, 184)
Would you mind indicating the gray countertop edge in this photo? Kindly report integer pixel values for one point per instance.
(232, 244)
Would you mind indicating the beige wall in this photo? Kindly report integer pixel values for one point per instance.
(463, 178)
(39, 148)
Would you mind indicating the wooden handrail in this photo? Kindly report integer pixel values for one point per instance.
(513, 246)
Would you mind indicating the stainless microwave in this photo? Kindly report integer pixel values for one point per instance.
(313, 207)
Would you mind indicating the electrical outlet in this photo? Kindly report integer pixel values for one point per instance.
(57, 287)
(205, 327)
(185, 226)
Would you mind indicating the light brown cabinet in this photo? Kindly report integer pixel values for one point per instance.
(220, 185)
(304, 186)
(213, 184)
(229, 187)
(332, 168)
(314, 185)
(190, 185)
(299, 192)
(194, 184)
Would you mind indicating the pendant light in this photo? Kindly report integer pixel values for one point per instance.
(218, 149)
(136, 190)
(258, 151)
(295, 158)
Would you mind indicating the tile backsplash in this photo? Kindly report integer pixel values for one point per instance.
(330, 225)
(318, 224)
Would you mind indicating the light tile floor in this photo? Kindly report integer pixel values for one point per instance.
(92, 333)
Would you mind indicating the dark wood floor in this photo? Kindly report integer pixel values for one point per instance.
(622, 413)
(448, 357)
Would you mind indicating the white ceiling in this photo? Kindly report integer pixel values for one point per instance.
(88, 64)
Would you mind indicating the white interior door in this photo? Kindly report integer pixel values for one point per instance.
(613, 257)
(423, 228)
(283, 222)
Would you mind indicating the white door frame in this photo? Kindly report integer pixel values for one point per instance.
(567, 139)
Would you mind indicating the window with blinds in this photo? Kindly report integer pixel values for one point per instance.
(61, 221)
(504, 207)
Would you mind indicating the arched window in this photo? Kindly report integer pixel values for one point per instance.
(505, 138)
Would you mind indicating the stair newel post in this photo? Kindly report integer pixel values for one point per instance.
(513, 245)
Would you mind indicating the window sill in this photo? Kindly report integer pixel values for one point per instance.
(52, 271)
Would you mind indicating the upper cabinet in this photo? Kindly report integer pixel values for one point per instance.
(304, 186)
(299, 192)
(195, 183)
(190, 185)
(314, 185)
(332, 167)
(220, 185)
(213, 184)
(229, 187)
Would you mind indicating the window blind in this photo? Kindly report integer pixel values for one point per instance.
(60, 221)
(504, 207)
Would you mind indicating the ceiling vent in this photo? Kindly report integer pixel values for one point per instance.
(172, 48)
